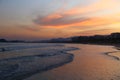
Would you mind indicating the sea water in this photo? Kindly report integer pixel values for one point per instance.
(48, 61)
(21, 60)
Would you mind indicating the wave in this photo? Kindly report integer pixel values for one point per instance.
(20, 46)
(21, 67)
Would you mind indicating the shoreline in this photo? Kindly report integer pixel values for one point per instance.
(82, 65)
(65, 54)
(23, 67)
(111, 54)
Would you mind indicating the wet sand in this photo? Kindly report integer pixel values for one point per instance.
(90, 63)
(115, 54)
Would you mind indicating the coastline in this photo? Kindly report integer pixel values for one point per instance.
(28, 66)
(111, 54)
(63, 57)
(114, 54)
(87, 62)
(21, 67)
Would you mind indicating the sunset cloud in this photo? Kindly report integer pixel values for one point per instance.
(78, 16)
(29, 28)
(58, 18)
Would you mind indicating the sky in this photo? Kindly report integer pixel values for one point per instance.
(46, 19)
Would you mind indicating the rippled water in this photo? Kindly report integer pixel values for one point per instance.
(19, 61)
(32, 61)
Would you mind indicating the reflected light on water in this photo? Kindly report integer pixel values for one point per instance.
(90, 63)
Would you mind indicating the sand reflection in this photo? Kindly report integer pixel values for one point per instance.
(90, 63)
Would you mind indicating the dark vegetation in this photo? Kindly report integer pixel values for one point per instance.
(113, 38)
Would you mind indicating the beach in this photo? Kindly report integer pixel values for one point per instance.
(90, 63)
(59, 39)
(19, 61)
(59, 62)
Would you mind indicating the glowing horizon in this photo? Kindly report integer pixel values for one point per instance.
(38, 19)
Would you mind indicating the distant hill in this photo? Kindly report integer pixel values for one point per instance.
(17, 41)
(3, 40)
(113, 38)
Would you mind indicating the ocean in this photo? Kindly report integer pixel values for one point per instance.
(55, 61)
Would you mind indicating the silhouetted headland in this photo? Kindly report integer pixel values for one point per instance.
(14, 41)
(113, 38)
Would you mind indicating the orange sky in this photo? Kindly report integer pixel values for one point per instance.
(58, 18)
